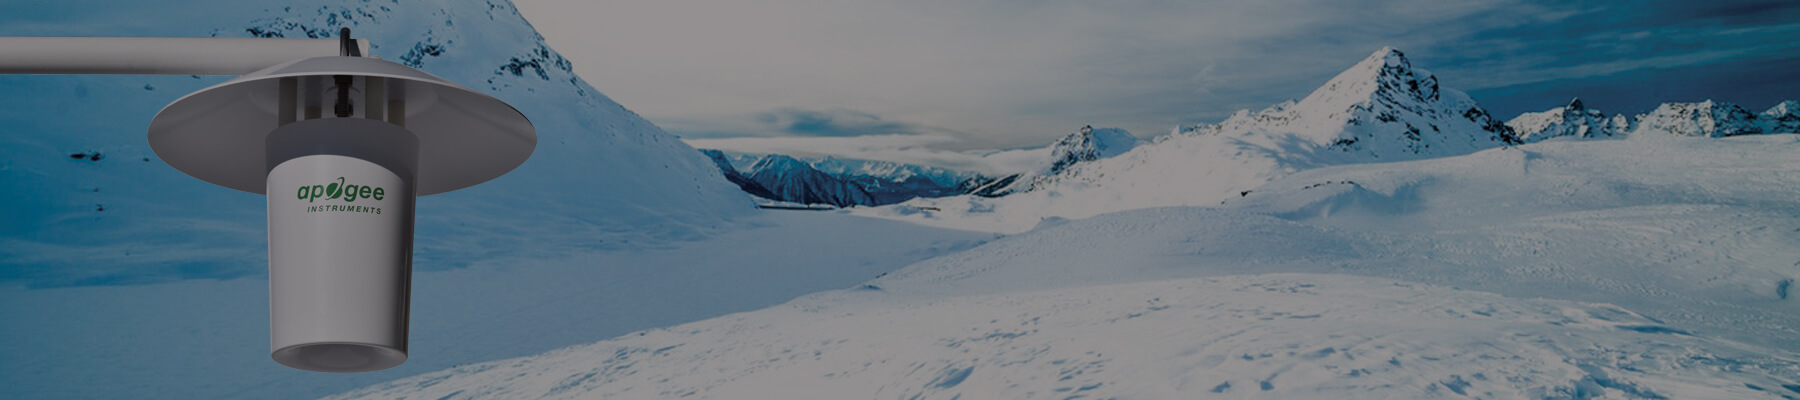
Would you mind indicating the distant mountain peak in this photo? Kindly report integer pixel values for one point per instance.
(1385, 75)
(1572, 120)
(1089, 144)
(1788, 107)
(1705, 118)
(1379, 108)
(778, 162)
(1784, 117)
(790, 179)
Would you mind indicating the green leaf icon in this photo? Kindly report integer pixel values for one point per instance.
(334, 190)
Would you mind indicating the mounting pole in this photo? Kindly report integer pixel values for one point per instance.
(159, 55)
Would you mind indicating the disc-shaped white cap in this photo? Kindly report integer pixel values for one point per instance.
(465, 137)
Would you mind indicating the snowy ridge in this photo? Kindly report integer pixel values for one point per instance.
(1089, 144)
(1380, 109)
(1706, 118)
(890, 182)
(1562, 269)
(792, 180)
(845, 182)
(888, 171)
(1085, 145)
(1573, 120)
(1784, 117)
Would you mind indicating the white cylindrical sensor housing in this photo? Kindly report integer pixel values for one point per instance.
(340, 256)
(341, 193)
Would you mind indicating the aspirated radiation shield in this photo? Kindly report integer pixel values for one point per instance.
(342, 146)
(340, 243)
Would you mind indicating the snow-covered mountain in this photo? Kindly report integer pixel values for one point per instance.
(1085, 145)
(851, 182)
(1573, 120)
(1784, 117)
(1379, 109)
(889, 171)
(1383, 109)
(1089, 144)
(1655, 269)
(795, 181)
(1707, 118)
(891, 182)
(1717, 119)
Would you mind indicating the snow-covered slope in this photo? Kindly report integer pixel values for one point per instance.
(1380, 109)
(102, 209)
(1573, 120)
(1644, 269)
(209, 339)
(723, 161)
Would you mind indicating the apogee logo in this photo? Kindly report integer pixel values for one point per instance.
(340, 189)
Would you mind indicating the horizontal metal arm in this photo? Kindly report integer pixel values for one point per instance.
(156, 55)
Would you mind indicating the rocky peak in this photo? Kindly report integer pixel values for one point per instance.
(1383, 107)
(1784, 117)
(1089, 144)
(790, 179)
(1706, 118)
(1572, 120)
(778, 163)
(1386, 76)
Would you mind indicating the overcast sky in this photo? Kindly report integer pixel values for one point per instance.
(983, 74)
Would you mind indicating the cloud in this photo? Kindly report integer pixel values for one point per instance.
(802, 122)
(908, 149)
(1016, 73)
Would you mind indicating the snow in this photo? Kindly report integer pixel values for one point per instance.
(1380, 109)
(123, 278)
(204, 339)
(1563, 269)
(1378, 238)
